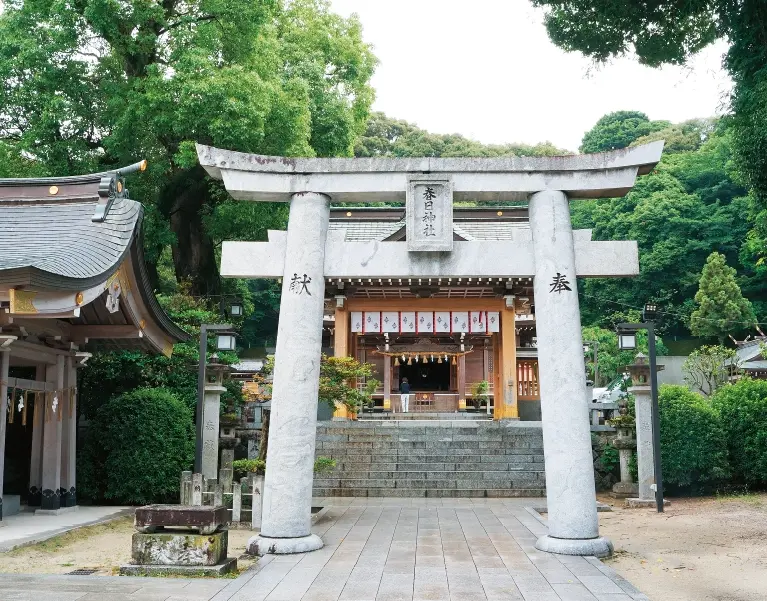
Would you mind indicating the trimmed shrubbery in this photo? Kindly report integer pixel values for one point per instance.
(743, 410)
(136, 448)
(693, 448)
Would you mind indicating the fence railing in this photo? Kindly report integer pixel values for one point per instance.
(243, 497)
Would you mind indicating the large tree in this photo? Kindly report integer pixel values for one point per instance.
(619, 130)
(720, 306)
(669, 32)
(94, 84)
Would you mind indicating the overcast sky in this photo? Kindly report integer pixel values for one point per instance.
(486, 69)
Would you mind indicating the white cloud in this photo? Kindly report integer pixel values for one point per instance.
(486, 69)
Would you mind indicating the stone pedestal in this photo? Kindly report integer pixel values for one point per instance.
(626, 487)
(570, 490)
(165, 545)
(287, 504)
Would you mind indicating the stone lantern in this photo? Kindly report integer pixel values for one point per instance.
(640, 388)
(214, 386)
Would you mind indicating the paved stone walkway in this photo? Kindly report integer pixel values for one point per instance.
(382, 550)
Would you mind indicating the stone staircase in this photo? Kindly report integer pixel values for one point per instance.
(431, 458)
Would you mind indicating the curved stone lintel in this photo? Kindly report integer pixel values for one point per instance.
(263, 545)
(598, 547)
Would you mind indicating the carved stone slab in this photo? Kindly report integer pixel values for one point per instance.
(206, 519)
(179, 549)
(429, 213)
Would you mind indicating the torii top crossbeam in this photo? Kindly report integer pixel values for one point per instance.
(267, 178)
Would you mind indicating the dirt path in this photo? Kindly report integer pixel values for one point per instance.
(104, 547)
(709, 549)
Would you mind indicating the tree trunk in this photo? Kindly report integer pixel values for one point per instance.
(264, 444)
(184, 201)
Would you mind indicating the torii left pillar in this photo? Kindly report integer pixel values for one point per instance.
(287, 504)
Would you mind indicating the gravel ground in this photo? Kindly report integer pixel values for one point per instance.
(704, 549)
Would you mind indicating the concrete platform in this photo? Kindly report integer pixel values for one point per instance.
(27, 528)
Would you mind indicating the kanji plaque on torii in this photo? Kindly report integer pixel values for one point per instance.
(429, 213)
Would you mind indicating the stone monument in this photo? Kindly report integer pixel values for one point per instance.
(180, 540)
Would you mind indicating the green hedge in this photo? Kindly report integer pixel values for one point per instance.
(743, 409)
(693, 449)
(136, 448)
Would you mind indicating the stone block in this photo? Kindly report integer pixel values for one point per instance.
(179, 548)
(225, 567)
(205, 519)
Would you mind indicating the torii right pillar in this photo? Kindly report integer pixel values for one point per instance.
(570, 491)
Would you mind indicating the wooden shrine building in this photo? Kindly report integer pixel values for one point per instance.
(456, 340)
(72, 279)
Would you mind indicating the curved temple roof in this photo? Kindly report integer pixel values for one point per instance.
(70, 237)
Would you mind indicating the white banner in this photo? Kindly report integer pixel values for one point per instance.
(493, 321)
(390, 320)
(425, 323)
(407, 321)
(372, 322)
(460, 321)
(356, 321)
(442, 321)
(478, 321)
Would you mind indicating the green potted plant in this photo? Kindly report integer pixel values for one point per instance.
(480, 394)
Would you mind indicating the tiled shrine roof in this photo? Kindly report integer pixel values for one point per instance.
(469, 223)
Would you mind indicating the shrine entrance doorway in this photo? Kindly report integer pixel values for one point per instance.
(428, 376)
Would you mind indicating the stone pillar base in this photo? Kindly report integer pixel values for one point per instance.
(263, 545)
(598, 547)
(58, 511)
(642, 503)
(621, 490)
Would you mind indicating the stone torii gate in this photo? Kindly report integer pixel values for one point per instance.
(306, 255)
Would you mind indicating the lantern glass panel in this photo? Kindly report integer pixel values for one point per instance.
(627, 342)
(236, 310)
(225, 342)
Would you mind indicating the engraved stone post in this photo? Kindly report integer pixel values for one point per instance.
(186, 488)
(256, 487)
(570, 492)
(645, 455)
(287, 503)
(218, 495)
(211, 409)
(225, 477)
(197, 489)
(236, 502)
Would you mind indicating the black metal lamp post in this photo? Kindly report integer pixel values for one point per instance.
(627, 341)
(225, 341)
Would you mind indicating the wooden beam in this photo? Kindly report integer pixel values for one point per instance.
(341, 347)
(83, 333)
(426, 304)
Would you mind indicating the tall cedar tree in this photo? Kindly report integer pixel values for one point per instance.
(721, 306)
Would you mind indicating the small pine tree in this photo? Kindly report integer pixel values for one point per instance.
(721, 306)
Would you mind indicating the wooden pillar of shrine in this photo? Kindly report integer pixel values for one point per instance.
(505, 394)
(387, 383)
(341, 349)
